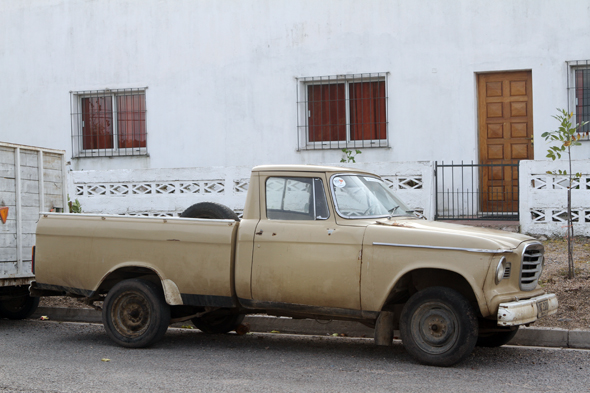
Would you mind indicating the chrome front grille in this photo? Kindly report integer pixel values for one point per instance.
(531, 266)
(507, 270)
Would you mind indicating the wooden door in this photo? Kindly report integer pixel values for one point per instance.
(505, 111)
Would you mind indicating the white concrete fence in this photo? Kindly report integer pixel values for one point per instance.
(167, 192)
(543, 198)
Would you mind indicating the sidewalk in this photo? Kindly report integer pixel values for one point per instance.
(540, 337)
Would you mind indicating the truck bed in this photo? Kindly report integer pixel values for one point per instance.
(77, 251)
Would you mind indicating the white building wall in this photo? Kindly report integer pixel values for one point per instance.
(221, 78)
(221, 74)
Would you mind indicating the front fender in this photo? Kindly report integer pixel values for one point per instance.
(383, 266)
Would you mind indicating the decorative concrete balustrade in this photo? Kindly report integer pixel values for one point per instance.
(167, 192)
(543, 198)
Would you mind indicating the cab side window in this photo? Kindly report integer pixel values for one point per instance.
(296, 198)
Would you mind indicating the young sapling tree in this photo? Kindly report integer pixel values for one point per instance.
(566, 136)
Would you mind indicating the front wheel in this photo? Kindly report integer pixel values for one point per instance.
(497, 339)
(19, 307)
(218, 324)
(438, 327)
(135, 314)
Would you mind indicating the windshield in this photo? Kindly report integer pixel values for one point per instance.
(362, 196)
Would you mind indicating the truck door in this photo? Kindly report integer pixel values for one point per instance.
(300, 255)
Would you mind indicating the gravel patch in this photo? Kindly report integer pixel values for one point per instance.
(574, 294)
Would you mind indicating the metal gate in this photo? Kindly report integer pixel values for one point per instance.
(476, 191)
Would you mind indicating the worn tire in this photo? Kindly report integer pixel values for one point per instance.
(438, 327)
(135, 314)
(497, 339)
(210, 210)
(19, 307)
(218, 324)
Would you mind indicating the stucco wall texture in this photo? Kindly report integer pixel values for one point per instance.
(221, 76)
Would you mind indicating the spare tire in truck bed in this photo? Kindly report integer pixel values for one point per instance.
(210, 210)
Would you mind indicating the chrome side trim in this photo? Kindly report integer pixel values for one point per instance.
(444, 248)
(105, 216)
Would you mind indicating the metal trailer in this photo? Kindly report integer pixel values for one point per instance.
(32, 180)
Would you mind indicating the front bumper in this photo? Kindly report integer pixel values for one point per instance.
(526, 311)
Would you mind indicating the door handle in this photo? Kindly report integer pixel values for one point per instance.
(259, 232)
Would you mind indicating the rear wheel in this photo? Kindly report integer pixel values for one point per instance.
(496, 339)
(135, 314)
(438, 327)
(19, 307)
(218, 324)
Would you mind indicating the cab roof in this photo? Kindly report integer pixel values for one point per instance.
(305, 168)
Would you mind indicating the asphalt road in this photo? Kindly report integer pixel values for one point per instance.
(47, 356)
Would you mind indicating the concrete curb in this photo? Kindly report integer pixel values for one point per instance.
(540, 337)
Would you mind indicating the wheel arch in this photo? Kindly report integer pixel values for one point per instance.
(424, 277)
(149, 273)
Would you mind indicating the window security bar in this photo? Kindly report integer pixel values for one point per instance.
(107, 123)
(342, 111)
(578, 88)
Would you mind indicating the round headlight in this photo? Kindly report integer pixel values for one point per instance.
(500, 270)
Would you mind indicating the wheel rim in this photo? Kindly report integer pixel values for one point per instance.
(434, 328)
(131, 314)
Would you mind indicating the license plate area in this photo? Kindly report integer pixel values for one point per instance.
(542, 308)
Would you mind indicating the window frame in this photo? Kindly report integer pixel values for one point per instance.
(76, 112)
(313, 197)
(574, 66)
(303, 109)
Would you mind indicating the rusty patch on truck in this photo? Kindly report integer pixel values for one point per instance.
(395, 224)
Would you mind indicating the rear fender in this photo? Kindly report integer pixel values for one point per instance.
(145, 271)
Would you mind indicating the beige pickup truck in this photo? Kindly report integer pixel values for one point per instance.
(314, 242)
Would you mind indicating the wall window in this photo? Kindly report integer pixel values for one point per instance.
(343, 111)
(579, 92)
(109, 123)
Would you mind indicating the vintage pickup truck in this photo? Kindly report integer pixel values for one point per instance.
(314, 242)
